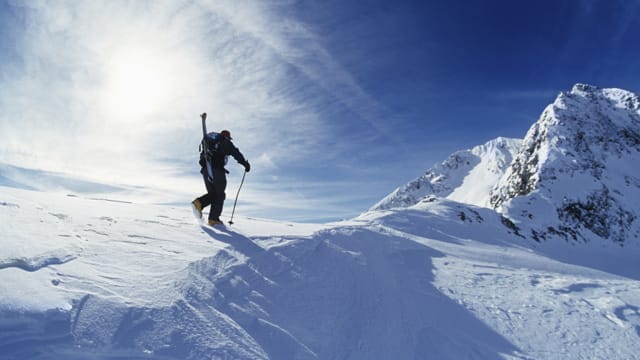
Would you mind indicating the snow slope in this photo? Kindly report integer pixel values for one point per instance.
(96, 279)
(467, 176)
(64, 256)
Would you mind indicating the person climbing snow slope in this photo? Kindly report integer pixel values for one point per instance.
(214, 152)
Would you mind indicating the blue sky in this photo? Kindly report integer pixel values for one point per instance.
(335, 103)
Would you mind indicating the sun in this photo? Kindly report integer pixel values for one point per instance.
(138, 82)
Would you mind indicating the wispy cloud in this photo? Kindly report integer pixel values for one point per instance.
(112, 89)
(124, 77)
(297, 44)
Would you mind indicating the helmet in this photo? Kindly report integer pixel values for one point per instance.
(226, 134)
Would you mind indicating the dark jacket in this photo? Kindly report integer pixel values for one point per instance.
(219, 158)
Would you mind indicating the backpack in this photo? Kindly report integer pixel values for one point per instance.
(210, 144)
(208, 149)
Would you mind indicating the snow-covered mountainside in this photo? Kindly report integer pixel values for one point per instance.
(90, 278)
(572, 177)
(575, 175)
(467, 176)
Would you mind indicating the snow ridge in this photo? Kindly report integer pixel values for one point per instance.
(466, 176)
(38, 262)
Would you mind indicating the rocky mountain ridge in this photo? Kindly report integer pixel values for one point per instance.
(572, 176)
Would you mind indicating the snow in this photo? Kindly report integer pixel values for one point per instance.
(432, 271)
(83, 278)
(494, 157)
(466, 176)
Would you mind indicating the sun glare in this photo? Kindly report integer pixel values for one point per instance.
(138, 83)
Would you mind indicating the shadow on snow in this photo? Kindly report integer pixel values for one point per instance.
(347, 293)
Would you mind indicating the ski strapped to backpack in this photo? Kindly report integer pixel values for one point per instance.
(209, 147)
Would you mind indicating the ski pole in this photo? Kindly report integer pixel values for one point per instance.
(236, 201)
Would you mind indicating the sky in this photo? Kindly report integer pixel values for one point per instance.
(334, 102)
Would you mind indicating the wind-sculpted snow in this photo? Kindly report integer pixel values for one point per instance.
(439, 279)
(34, 334)
(38, 262)
(516, 291)
(338, 294)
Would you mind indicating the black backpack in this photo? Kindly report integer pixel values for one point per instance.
(208, 149)
(210, 144)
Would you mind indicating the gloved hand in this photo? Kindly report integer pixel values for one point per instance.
(247, 166)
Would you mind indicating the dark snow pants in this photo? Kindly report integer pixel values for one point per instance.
(215, 193)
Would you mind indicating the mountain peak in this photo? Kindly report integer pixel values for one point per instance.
(575, 161)
(570, 177)
(580, 88)
(593, 98)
